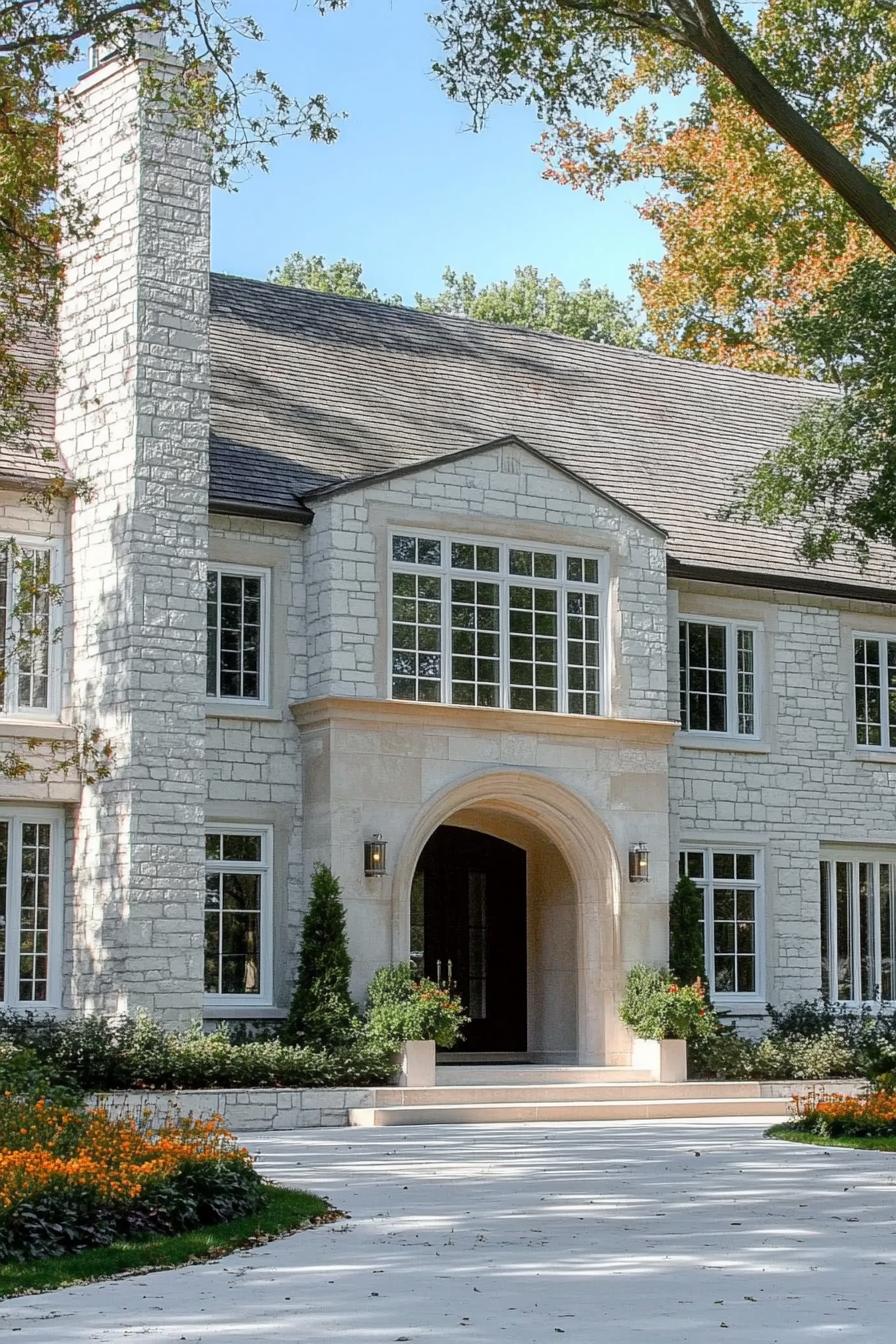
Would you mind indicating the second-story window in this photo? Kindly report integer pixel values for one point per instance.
(29, 612)
(875, 690)
(499, 625)
(237, 634)
(718, 677)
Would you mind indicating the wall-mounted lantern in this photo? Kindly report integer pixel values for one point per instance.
(375, 856)
(639, 862)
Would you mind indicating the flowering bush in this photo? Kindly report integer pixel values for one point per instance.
(657, 1008)
(405, 1007)
(70, 1179)
(872, 1115)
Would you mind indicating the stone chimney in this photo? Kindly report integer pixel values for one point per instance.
(133, 418)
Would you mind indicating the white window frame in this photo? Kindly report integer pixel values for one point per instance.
(881, 639)
(504, 580)
(16, 817)
(221, 567)
(707, 886)
(264, 997)
(873, 855)
(732, 626)
(10, 708)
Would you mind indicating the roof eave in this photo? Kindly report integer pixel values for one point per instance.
(793, 583)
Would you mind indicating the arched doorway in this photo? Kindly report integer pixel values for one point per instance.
(574, 962)
(468, 930)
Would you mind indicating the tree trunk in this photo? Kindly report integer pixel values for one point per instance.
(717, 46)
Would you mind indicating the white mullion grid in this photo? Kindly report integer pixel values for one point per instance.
(707, 886)
(732, 629)
(853, 861)
(219, 632)
(263, 867)
(733, 725)
(503, 580)
(15, 822)
(10, 703)
(265, 584)
(13, 909)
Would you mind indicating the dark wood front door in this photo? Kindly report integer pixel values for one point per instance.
(468, 926)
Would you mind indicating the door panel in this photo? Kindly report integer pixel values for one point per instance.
(468, 925)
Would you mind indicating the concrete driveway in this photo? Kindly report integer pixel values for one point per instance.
(594, 1232)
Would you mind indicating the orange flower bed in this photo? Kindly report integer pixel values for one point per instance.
(97, 1174)
(831, 1115)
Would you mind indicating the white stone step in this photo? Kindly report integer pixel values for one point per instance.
(549, 1112)
(487, 1075)
(548, 1092)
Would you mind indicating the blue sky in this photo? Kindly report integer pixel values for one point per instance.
(406, 190)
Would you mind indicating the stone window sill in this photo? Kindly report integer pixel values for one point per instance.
(744, 1005)
(222, 709)
(875, 756)
(43, 728)
(234, 1011)
(722, 742)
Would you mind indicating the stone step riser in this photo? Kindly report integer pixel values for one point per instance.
(509, 1075)
(564, 1092)
(552, 1112)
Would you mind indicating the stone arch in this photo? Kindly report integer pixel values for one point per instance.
(587, 849)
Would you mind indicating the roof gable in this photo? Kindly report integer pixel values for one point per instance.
(505, 441)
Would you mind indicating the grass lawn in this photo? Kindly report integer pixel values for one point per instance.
(283, 1211)
(885, 1143)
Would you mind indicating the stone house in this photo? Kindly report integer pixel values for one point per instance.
(352, 572)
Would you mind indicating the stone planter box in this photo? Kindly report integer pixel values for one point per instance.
(415, 1064)
(666, 1061)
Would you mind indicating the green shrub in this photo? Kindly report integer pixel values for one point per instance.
(402, 1006)
(39, 1056)
(686, 933)
(657, 1008)
(322, 1013)
(805, 1040)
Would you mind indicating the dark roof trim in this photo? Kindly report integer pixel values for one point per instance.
(375, 477)
(276, 513)
(789, 583)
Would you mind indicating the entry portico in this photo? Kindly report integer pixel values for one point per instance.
(573, 797)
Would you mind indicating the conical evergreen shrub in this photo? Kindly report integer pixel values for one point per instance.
(685, 932)
(322, 1014)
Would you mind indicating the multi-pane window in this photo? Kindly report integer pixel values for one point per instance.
(29, 913)
(497, 625)
(875, 690)
(237, 634)
(718, 677)
(29, 601)
(858, 928)
(237, 913)
(730, 881)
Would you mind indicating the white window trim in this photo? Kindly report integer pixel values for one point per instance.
(732, 625)
(854, 855)
(10, 708)
(886, 746)
(17, 816)
(757, 997)
(264, 997)
(263, 699)
(504, 580)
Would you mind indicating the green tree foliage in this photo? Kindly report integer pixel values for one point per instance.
(322, 1014)
(530, 299)
(834, 481)
(328, 277)
(685, 933)
(540, 302)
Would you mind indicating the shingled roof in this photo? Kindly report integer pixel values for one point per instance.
(310, 388)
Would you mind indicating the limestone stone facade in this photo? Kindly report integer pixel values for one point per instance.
(321, 753)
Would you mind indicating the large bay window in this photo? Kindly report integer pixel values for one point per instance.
(238, 914)
(718, 676)
(237, 633)
(498, 625)
(858, 927)
(30, 907)
(731, 882)
(874, 660)
(29, 601)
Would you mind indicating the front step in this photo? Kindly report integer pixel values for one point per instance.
(487, 1112)
(627, 1090)
(489, 1075)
